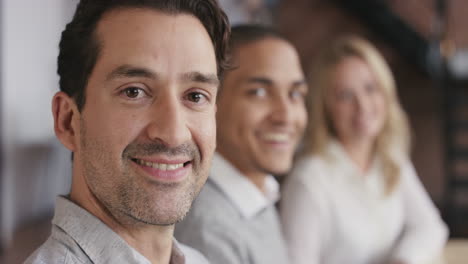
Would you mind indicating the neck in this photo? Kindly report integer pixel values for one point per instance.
(258, 179)
(255, 176)
(361, 153)
(151, 241)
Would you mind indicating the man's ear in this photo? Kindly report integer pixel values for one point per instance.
(66, 120)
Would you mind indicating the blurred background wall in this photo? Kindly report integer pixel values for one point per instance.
(35, 167)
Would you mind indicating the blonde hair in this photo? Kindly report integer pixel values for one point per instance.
(394, 139)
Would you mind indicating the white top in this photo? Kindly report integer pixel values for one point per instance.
(333, 214)
(248, 199)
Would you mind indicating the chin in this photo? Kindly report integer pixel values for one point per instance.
(278, 165)
(280, 170)
(163, 217)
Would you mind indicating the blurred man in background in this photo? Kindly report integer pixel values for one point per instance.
(260, 120)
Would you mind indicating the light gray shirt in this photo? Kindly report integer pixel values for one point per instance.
(79, 237)
(232, 221)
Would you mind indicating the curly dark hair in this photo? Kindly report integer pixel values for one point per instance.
(79, 48)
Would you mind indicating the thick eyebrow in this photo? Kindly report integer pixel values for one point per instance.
(269, 82)
(201, 78)
(134, 71)
(260, 80)
(129, 71)
(302, 82)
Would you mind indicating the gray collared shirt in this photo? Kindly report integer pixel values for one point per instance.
(232, 221)
(79, 237)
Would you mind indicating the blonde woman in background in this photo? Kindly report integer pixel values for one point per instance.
(355, 196)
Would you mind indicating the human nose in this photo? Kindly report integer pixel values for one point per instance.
(282, 110)
(362, 104)
(168, 122)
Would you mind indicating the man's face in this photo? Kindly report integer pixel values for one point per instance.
(147, 130)
(261, 113)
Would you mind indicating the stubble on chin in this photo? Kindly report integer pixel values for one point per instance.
(132, 199)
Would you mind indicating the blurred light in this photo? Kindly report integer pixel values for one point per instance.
(458, 64)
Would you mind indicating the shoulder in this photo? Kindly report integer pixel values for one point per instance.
(212, 205)
(211, 214)
(54, 251)
(217, 244)
(408, 175)
(213, 235)
(310, 162)
(308, 170)
(310, 184)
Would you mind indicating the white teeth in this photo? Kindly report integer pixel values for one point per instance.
(160, 166)
(276, 136)
(172, 166)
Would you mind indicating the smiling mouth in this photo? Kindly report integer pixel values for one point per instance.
(278, 137)
(161, 166)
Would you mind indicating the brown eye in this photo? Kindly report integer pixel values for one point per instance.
(257, 92)
(196, 97)
(132, 92)
(297, 95)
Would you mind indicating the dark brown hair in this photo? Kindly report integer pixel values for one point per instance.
(79, 48)
(248, 33)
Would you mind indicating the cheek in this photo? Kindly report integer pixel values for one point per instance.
(342, 124)
(203, 130)
(117, 130)
(301, 117)
(341, 114)
(383, 115)
(248, 116)
(381, 107)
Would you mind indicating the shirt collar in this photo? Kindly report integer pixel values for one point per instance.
(177, 256)
(100, 243)
(248, 199)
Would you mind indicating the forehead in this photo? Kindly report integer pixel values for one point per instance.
(148, 37)
(269, 57)
(353, 68)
